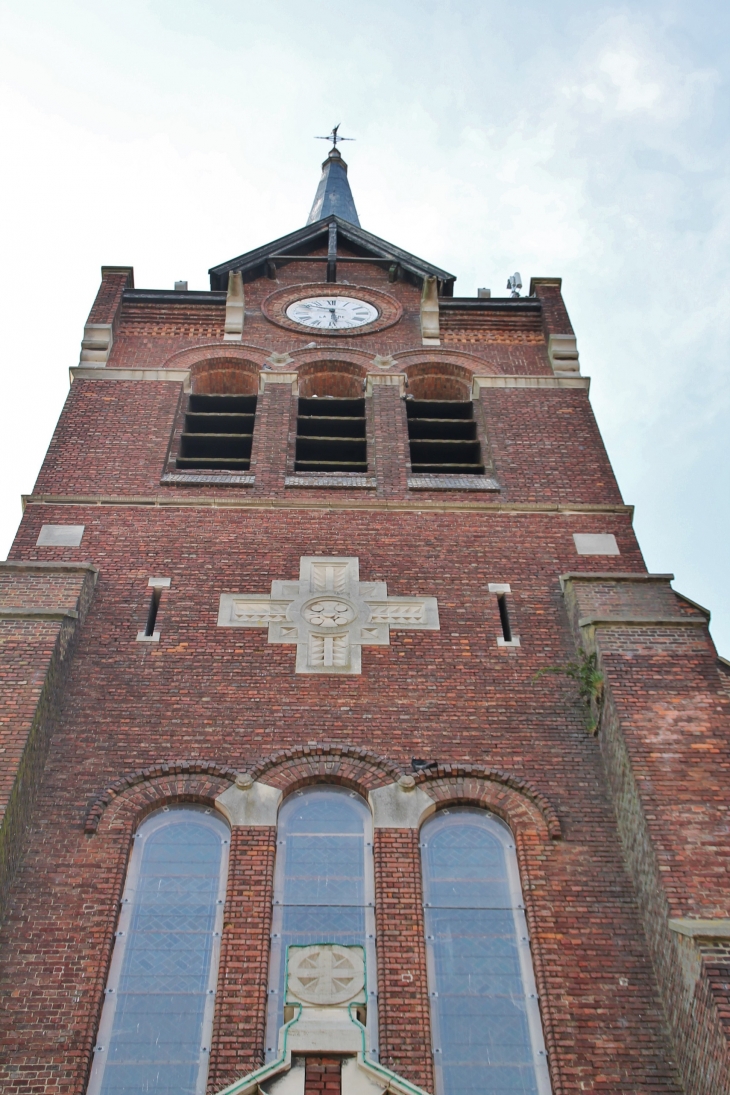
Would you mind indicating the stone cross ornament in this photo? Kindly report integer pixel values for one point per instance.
(325, 975)
(329, 613)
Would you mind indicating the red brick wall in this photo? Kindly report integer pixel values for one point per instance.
(105, 308)
(240, 1017)
(664, 744)
(589, 814)
(546, 446)
(113, 437)
(36, 650)
(322, 1075)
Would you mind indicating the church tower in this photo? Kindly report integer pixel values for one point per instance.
(347, 744)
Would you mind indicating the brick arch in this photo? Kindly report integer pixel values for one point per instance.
(344, 765)
(443, 358)
(239, 353)
(302, 355)
(439, 380)
(331, 376)
(138, 792)
(224, 376)
(518, 802)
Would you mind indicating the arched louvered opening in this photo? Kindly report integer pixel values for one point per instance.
(443, 437)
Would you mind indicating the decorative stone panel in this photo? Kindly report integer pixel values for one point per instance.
(329, 613)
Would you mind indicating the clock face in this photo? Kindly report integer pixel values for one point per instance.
(332, 313)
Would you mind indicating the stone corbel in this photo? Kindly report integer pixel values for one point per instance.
(392, 380)
(401, 805)
(266, 377)
(249, 802)
(430, 331)
(96, 345)
(563, 355)
(235, 308)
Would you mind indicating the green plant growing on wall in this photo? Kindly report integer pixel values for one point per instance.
(588, 677)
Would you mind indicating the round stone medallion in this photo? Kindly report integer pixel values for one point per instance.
(329, 612)
(326, 974)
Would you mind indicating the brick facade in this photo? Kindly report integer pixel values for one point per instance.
(618, 835)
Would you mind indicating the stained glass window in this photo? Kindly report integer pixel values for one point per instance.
(485, 1019)
(154, 1036)
(323, 889)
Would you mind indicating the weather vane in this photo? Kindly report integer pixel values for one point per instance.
(334, 137)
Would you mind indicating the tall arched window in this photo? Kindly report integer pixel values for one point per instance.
(323, 888)
(154, 1035)
(485, 1020)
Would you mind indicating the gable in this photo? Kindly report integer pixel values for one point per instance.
(319, 243)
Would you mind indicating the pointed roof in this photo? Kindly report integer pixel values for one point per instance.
(399, 263)
(333, 193)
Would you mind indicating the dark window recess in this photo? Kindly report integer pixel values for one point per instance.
(152, 614)
(504, 618)
(443, 438)
(218, 432)
(331, 435)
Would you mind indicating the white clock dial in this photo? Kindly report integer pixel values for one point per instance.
(332, 313)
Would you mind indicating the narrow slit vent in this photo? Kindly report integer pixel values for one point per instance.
(504, 618)
(443, 437)
(152, 614)
(218, 432)
(331, 435)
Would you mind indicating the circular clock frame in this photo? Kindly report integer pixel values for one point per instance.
(274, 307)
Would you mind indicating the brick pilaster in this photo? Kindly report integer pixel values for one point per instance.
(322, 1076)
(390, 433)
(240, 1016)
(274, 423)
(42, 606)
(665, 744)
(403, 1013)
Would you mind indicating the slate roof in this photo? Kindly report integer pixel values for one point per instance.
(402, 264)
(333, 193)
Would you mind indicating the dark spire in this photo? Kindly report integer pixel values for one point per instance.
(333, 193)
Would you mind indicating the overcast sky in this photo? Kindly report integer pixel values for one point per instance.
(584, 140)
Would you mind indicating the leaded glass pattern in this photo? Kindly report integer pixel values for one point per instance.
(154, 1035)
(323, 889)
(485, 1020)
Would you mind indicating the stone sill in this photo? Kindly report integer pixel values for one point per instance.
(452, 482)
(181, 478)
(360, 482)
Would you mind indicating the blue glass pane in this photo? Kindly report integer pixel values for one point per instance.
(167, 1079)
(156, 1039)
(481, 1034)
(323, 811)
(477, 1079)
(467, 867)
(323, 923)
(320, 877)
(327, 870)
